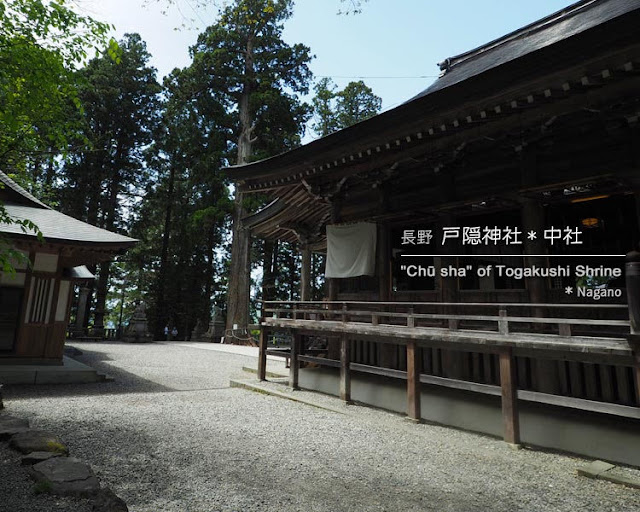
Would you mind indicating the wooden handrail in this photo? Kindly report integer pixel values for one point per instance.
(436, 316)
(463, 304)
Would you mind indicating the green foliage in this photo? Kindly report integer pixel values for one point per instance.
(43, 487)
(120, 114)
(185, 214)
(40, 41)
(335, 110)
(244, 58)
(56, 447)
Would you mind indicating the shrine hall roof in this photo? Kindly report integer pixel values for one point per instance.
(518, 55)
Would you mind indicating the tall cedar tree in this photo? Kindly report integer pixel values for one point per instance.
(335, 110)
(190, 195)
(244, 58)
(120, 101)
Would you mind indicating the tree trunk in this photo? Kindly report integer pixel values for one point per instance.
(238, 293)
(101, 298)
(211, 264)
(161, 309)
(105, 268)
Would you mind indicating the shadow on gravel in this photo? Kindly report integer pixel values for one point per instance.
(124, 382)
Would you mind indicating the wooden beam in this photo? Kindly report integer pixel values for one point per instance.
(413, 382)
(509, 387)
(262, 357)
(345, 372)
(320, 361)
(294, 364)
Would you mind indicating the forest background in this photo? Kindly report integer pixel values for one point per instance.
(103, 140)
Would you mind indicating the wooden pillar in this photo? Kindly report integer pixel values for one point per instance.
(345, 373)
(294, 366)
(413, 381)
(262, 357)
(509, 387)
(333, 345)
(546, 373)
(305, 274)
(382, 263)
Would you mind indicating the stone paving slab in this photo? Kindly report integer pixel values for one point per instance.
(605, 471)
(10, 425)
(595, 469)
(67, 475)
(107, 501)
(36, 457)
(37, 441)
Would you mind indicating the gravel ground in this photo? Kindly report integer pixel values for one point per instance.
(17, 490)
(170, 435)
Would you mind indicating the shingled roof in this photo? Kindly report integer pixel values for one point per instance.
(55, 226)
(561, 25)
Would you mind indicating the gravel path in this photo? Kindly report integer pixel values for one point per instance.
(170, 435)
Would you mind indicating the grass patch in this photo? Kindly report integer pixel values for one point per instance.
(44, 486)
(56, 447)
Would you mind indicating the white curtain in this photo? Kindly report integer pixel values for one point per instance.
(351, 250)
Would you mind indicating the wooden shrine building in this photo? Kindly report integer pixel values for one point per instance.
(534, 132)
(35, 301)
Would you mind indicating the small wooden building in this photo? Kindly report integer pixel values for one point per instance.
(35, 301)
(536, 131)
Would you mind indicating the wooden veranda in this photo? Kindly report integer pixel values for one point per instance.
(495, 341)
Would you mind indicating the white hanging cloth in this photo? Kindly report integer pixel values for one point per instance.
(351, 250)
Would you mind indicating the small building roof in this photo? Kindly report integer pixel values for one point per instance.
(10, 191)
(79, 273)
(55, 226)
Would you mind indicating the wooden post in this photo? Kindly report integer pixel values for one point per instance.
(632, 272)
(509, 387)
(345, 373)
(294, 366)
(564, 329)
(262, 357)
(411, 321)
(382, 263)
(413, 381)
(503, 323)
(305, 274)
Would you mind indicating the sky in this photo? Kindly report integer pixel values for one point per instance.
(394, 46)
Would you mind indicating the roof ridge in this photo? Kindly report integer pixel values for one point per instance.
(4, 178)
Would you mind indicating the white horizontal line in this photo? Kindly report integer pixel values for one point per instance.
(513, 255)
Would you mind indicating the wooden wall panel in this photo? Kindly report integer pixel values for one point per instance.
(55, 340)
(31, 340)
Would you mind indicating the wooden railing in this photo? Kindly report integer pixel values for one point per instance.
(502, 329)
(379, 313)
